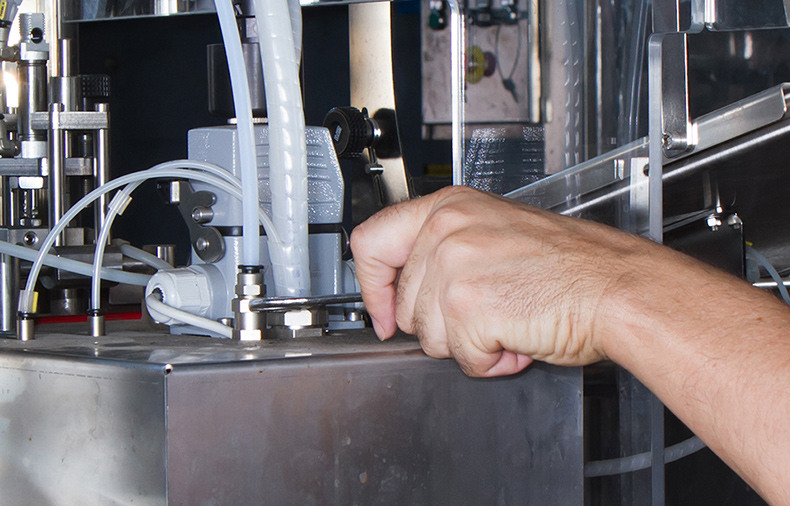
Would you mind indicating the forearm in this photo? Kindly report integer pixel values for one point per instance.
(717, 352)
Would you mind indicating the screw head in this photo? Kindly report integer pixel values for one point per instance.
(202, 244)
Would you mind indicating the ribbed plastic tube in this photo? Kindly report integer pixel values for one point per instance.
(287, 152)
(250, 246)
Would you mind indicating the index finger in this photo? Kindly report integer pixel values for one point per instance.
(381, 247)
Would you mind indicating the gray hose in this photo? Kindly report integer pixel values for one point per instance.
(759, 258)
(641, 461)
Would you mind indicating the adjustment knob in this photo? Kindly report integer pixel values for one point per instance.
(95, 86)
(351, 131)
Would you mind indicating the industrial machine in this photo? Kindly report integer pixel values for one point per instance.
(212, 347)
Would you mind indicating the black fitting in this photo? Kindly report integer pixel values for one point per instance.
(250, 269)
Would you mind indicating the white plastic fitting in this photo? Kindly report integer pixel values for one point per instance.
(197, 289)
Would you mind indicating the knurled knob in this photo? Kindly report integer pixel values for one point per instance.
(95, 86)
(350, 129)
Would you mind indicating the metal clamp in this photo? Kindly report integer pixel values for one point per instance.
(195, 208)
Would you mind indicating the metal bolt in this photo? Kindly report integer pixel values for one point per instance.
(734, 221)
(202, 244)
(202, 214)
(30, 238)
(714, 222)
(354, 316)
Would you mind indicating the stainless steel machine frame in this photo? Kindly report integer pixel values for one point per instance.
(146, 418)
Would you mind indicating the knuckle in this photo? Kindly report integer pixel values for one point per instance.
(459, 300)
(453, 249)
(448, 218)
(357, 239)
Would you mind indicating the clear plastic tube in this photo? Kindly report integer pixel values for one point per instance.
(188, 318)
(143, 256)
(116, 207)
(213, 175)
(287, 152)
(250, 254)
(75, 266)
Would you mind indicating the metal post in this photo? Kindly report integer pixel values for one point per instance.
(9, 293)
(32, 73)
(101, 168)
(56, 184)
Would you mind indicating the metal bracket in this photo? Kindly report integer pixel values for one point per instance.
(194, 208)
(370, 44)
(70, 120)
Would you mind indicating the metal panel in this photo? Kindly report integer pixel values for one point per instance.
(80, 432)
(338, 420)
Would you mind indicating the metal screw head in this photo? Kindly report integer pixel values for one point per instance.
(30, 238)
(202, 244)
(354, 316)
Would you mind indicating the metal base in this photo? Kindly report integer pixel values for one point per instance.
(345, 419)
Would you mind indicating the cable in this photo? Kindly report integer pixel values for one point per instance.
(642, 460)
(75, 266)
(153, 302)
(166, 169)
(515, 60)
(143, 256)
(755, 255)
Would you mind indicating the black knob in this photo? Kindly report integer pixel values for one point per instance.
(351, 131)
(95, 87)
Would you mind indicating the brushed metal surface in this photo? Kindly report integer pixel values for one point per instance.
(145, 418)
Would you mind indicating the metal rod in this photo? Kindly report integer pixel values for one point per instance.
(770, 284)
(101, 168)
(9, 293)
(457, 59)
(56, 184)
(286, 303)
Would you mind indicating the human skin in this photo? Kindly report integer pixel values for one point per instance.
(497, 284)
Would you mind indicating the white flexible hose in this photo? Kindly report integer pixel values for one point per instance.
(116, 207)
(287, 151)
(75, 266)
(250, 252)
(143, 256)
(295, 12)
(167, 169)
(153, 302)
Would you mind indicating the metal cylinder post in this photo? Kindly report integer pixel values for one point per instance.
(56, 186)
(9, 293)
(101, 167)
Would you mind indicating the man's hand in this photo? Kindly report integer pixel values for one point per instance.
(490, 282)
